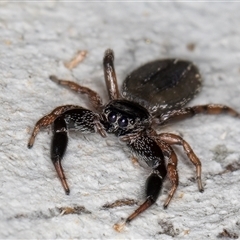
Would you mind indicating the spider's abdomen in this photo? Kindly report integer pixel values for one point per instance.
(162, 85)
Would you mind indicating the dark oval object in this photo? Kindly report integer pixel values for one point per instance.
(162, 85)
(112, 117)
(122, 122)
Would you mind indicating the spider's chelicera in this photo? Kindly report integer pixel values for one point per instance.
(152, 94)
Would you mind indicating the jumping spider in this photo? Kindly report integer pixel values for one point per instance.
(153, 94)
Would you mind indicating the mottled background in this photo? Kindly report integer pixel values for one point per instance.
(36, 39)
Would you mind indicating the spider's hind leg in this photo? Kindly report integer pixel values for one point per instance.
(188, 112)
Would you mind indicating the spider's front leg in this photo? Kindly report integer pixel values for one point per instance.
(93, 97)
(47, 121)
(76, 118)
(58, 148)
(154, 153)
(155, 149)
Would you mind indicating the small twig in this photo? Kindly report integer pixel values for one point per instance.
(79, 57)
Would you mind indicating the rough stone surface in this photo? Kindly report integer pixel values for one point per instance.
(36, 40)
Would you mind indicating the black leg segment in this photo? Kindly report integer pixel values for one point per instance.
(153, 188)
(58, 148)
(154, 183)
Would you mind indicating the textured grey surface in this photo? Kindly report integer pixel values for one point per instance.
(36, 39)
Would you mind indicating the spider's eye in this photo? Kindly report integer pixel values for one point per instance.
(112, 117)
(122, 122)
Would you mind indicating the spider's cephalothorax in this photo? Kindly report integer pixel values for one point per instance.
(154, 93)
(122, 117)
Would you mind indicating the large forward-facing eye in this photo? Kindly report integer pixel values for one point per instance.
(112, 117)
(122, 122)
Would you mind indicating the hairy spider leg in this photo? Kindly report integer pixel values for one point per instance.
(48, 120)
(58, 149)
(153, 187)
(78, 119)
(173, 139)
(155, 180)
(148, 150)
(94, 98)
(110, 75)
(180, 114)
(171, 169)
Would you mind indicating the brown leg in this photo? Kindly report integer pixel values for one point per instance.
(58, 166)
(175, 139)
(47, 120)
(94, 98)
(153, 188)
(110, 75)
(188, 112)
(154, 183)
(171, 171)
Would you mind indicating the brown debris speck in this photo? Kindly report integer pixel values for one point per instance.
(226, 234)
(191, 46)
(73, 210)
(168, 228)
(231, 168)
(120, 203)
(79, 57)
